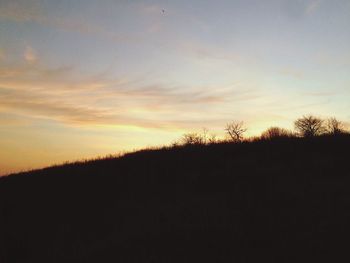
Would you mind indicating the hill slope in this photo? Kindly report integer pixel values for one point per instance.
(283, 200)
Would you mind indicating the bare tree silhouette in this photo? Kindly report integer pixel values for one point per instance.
(309, 126)
(235, 130)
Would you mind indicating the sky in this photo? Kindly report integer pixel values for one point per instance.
(87, 78)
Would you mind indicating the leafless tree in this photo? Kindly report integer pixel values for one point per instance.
(275, 132)
(309, 126)
(334, 126)
(235, 130)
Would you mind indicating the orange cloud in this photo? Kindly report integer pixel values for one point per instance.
(30, 55)
(2, 54)
(64, 95)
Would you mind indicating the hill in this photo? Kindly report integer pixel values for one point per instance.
(282, 200)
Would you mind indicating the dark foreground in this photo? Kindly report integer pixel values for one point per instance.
(284, 200)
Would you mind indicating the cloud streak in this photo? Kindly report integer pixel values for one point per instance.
(62, 95)
(32, 11)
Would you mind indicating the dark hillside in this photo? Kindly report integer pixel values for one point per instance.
(282, 200)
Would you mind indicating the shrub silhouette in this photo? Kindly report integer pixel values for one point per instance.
(195, 138)
(334, 126)
(276, 132)
(192, 139)
(212, 138)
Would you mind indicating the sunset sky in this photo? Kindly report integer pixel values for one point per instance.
(79, 79)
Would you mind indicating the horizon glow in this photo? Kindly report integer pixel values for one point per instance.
(80, 79)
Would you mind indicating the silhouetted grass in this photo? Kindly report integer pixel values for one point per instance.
(276, 200)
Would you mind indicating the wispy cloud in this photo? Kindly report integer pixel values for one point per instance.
(149, 9)
(63, 95)
(33, 11)
(20, 10)
(2, 54)
(327, 57)
(43, 106)
(321, 93)
(63, 110)
(201, 51)
(9, 119)
(297, 74)
(312, 6)
(300, 8)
